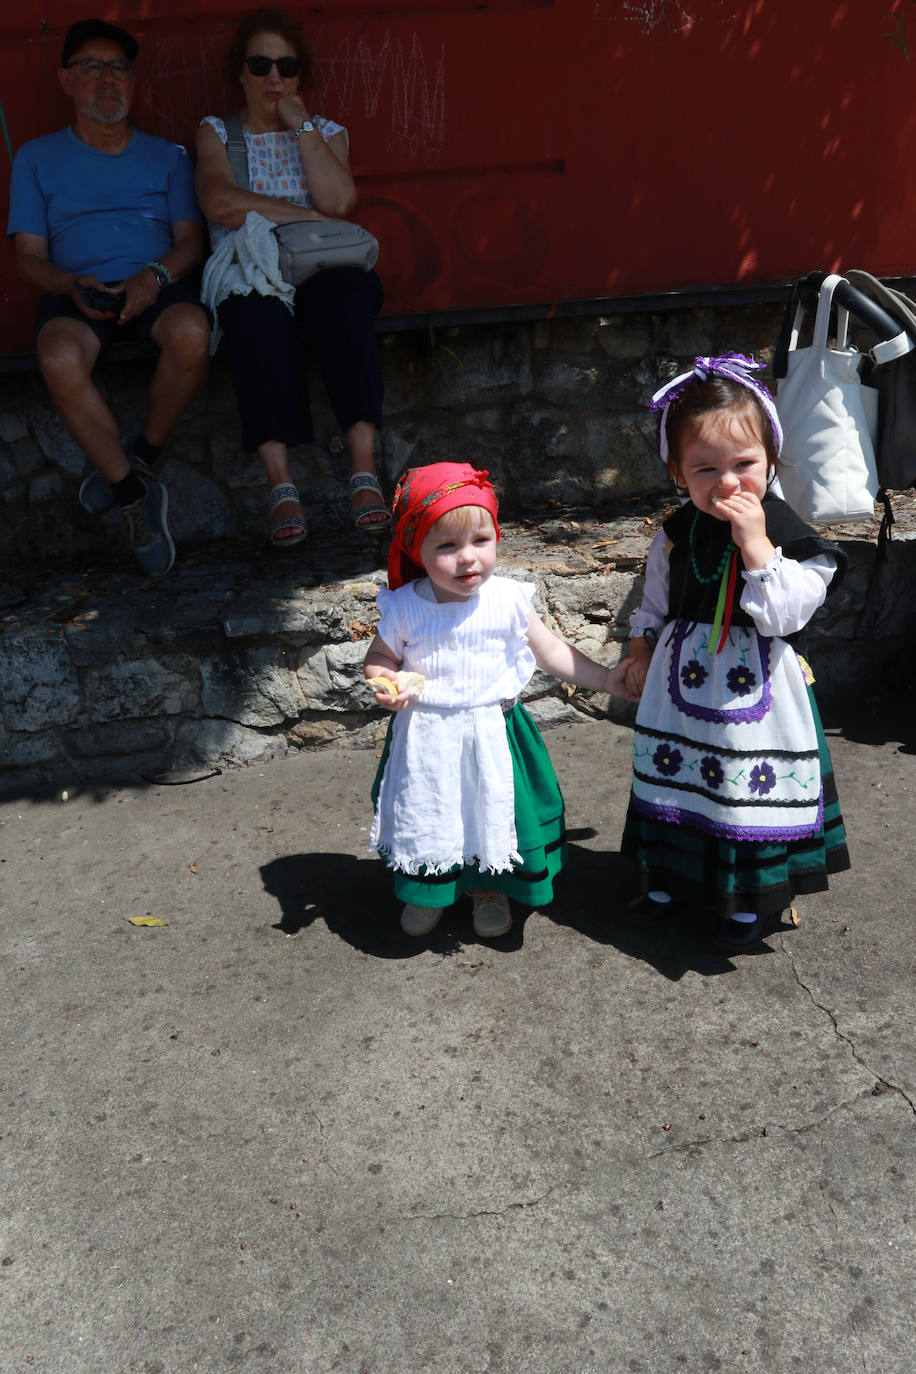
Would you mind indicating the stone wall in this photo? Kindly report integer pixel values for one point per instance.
(235, 658)
(555, 409)
(228, 661)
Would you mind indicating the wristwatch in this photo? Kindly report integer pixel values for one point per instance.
(162, 274)
(306, 127)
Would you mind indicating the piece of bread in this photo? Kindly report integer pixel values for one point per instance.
(383, 684)
(411, 683)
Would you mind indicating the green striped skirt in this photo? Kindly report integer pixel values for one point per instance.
(539, 822)
(739, 875)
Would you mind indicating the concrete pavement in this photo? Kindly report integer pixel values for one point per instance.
(277, 1135)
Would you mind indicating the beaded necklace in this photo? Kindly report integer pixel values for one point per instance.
(713, 576)
(726, 572)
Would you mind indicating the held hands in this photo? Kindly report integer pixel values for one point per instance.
(619, 680)
(86, 289)
(635, 678)
(142, 290)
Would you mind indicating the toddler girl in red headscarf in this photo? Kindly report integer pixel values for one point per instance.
(466, 799)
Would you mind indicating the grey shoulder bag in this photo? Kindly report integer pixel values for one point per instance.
(306, 246)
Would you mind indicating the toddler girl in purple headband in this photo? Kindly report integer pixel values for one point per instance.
(733, 808)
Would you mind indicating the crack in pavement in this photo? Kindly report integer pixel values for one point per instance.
(760, 1132)
(487, 1212)
(879, 1079)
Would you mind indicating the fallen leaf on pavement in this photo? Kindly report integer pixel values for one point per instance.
(147, 921)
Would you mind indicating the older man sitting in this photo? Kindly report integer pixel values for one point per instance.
(106, 226)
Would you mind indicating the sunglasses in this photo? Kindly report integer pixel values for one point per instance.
(260, 66)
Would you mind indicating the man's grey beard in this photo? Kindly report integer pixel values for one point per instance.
(106, 115)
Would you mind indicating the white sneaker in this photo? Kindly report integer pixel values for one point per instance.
(420, 920)
(492, 916)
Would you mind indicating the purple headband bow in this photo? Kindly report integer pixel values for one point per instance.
(737, 367)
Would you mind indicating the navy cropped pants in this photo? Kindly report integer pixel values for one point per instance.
(334, 316)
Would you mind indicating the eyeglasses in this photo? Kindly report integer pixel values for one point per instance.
(94, 67)
(260, 66)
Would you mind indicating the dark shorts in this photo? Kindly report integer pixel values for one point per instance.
(184, 292)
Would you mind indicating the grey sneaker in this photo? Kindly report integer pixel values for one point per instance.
(96, 495)
(147, 526)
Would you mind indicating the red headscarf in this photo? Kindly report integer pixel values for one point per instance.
(423, 495)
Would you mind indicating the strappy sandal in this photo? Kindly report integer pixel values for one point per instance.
(285, 491)
(367, 481)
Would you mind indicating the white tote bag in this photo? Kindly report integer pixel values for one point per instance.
(830, 424)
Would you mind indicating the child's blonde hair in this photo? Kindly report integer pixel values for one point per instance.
(465, 518)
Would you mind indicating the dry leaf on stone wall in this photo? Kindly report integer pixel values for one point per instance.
(360, 631)
(147, 921)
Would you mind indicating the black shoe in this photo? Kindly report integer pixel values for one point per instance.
(643, 911)
(740, 935)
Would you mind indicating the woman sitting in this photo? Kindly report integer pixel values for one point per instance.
(298, 170)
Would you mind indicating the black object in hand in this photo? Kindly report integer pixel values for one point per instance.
(110, 301)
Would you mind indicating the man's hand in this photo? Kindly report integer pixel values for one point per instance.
(77, 291)
(142, 291)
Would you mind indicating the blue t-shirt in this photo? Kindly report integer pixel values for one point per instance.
(101, 213)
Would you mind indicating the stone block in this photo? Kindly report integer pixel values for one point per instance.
(28, 751)
(254, 687)
(571, 382)
(309, 734)
(487, 421)
(276, 615)
(480, 365)
(332, 678)
(397, 449)
(117, 738)
(13, 426)
(139, 688)
(574, 334)
(27, 457)
(8, 477)
(198, 509)
(47, 486)
(54, 441)
(609, 597)
(688, 333)
(38, 686)
(218, 743)
(547, 711)
(625, 336)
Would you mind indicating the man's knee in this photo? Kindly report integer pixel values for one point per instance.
(64, 358)
(183, 335)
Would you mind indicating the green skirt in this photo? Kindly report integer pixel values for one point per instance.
(725, 876)
(539, 823)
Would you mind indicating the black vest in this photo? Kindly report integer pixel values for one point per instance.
(691, 599)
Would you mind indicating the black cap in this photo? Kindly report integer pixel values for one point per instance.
(85, 29)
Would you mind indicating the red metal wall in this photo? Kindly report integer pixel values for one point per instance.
(522, 151)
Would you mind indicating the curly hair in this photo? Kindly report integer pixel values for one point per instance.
(276, 21)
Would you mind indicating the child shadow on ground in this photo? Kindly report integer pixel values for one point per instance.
(354, 899)
(591, 896)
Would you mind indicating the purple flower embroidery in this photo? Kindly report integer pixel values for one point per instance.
(711, 772)
(740, 680)
(668, 760)
(762, 779)
(693, 674)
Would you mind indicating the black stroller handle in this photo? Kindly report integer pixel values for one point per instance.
(853, 300)
(847, 297)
